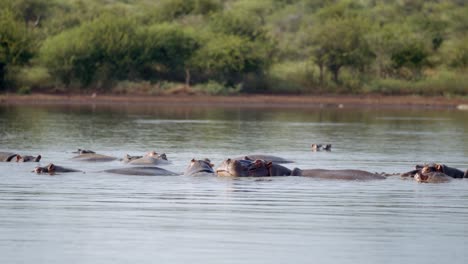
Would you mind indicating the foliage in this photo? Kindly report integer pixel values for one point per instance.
(96, 52)
(168, 48)
(16, 45)
(341, 42)
(288, 46)
(228, 57)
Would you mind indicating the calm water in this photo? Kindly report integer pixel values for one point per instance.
(95, 217)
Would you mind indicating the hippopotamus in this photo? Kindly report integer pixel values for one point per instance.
(129, 158)
(434, 167)
(318, 147)
(84, 151)
(432, 177)
(51, 169)
(151, 158)
(347, 174)
(199, 168)
(246, 168)
(271, 158)
(449, 171)
(142, 171)
(10, 157)
(20, 158)
(93, 157)
(7, 156)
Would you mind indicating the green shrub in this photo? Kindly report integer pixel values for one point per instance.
(292, 77)
(216, 88)
(24, 90)
(443, 83)
(33, 77)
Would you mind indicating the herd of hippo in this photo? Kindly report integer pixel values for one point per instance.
(243, 166)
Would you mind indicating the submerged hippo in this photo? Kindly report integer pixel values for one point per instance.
(28, 158)
(129, 158)
(12, 157)
(142, 171)
(449, 171)
(84, 151)
(271, 158)
(358, 175)
(7, 156)
(52, 168)
(319, 147)
(199, 168)
(93, 157)
(249, 168)
(150, 158)
(434, 167)
(432, 177)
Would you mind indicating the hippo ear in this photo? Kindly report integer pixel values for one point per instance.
(248, 158)
(192, 161)
(51, 167)
(18, 158)
(439, 168)
(269, 164)
(258, 163)
(163, 156)
(38, 158)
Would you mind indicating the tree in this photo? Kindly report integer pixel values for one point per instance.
(16, 44)
(411, 53)
(99, 51)
(170, 46)
(341, 42)
(227, 58)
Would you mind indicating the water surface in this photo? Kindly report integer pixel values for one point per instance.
(95, 217)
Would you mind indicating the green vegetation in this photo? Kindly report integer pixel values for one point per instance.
(232, 46)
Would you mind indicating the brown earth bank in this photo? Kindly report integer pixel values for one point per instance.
(251, 100)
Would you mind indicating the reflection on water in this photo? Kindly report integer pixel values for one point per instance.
(94, 217)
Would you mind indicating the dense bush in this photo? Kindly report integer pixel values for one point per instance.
(287, 46)
(16, 46)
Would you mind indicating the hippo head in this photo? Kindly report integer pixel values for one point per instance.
(240, 168)
(316, 147)
(40, 170)
(197, 166)
(84, 151)
(47, 169)
(20, 158)
(155, 155)
(431, 177)
(427, 168)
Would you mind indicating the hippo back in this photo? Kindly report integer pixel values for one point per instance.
(147, 160)
(93, 157)
(271, 158)
(7, 156)
(359, 175)
(142, 171)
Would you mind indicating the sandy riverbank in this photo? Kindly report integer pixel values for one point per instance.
(245, 100)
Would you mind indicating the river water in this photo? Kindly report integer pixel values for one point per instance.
(95, 217)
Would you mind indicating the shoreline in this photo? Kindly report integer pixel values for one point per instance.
(253, 100)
